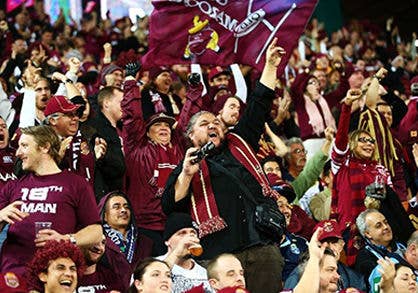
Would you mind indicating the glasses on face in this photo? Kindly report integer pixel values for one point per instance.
(70, 115)
(312, 82)
(366, 140)
(300, 151)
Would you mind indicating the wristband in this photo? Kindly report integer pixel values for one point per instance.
(68, 81)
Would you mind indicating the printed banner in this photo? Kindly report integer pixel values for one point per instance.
(223, 32)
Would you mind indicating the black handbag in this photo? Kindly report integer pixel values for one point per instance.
(270, 221)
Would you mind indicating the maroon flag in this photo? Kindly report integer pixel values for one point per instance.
(223, 32)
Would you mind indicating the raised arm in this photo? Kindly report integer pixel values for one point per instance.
(133, 125)
(309, 282)
(195, 68)
(193, 102)
(67, 87)
(341, 139)
(273, 57)
(251, 124)
(372, 94)
(314, 166)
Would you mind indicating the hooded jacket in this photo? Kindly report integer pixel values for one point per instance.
(143, 243)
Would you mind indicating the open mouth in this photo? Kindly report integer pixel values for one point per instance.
(164, 287)
(213, 134)
(66, 283)
(1, 136)
(44, 99)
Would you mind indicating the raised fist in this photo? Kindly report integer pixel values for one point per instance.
(132, 68)
(194, 79)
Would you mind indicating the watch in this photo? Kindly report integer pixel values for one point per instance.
(72, 239)
(68, 81)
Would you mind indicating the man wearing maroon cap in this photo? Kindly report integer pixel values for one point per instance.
(63, 117)
(331, 238)
(219, 76)
(320, 270)
(45, 195)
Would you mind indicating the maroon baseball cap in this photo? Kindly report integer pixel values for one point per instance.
(60, 104)
(11, 283)
(160, 117)
(218, 70)
(330, 229)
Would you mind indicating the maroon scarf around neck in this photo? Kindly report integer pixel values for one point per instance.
(166, 159)
(204, 209)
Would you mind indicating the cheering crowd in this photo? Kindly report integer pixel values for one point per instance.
(117, 176)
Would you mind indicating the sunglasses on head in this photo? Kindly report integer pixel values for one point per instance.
(366, 140)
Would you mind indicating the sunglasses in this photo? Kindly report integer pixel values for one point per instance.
(366, 140)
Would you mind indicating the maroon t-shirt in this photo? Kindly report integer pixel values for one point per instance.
(101, 281)
(64, 199)
(6, 166)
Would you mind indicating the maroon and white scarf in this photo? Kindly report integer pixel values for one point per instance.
(75, 151)
(204, 209)
(157, 101)
(167, 158)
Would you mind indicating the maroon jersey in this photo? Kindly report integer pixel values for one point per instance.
(64, 199)
(6, 166)
(101, 281)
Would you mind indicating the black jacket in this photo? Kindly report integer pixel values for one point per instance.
(110, 170)
(230, 180)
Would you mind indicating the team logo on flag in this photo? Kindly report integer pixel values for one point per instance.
(201, 37)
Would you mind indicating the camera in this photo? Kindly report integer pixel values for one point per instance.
(203, 152)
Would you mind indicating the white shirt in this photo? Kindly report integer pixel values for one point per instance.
(184, 279)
